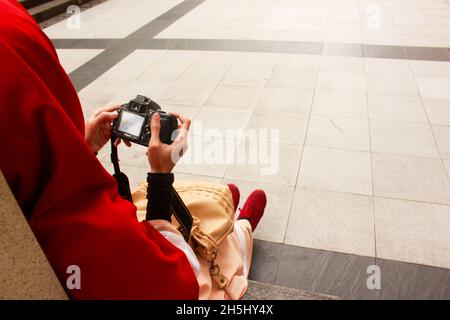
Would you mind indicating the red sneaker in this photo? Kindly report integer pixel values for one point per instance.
(253, 208)
(236, 195)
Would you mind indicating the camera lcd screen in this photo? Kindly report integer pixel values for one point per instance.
(131, 123)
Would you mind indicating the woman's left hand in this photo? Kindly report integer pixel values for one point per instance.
(98, 127)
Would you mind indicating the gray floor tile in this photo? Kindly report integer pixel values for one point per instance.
(442, 136)
(342, 49)
(95, 70)
(217, 45)
(156, 44)
(388, 52)
(265, 46)
(411, 231)
(336, 170)
(328, 272)
(402, 138)
(285, 100)
(410, 178)
(411, 281)
(395, 108)
(83, 43)
(333, 221)
(268, 168)
(165, 20)
(80, 83)
(303, 47)
(434, 88)
(290, 126)
(421, 53)
(438, 111)
(266, 257)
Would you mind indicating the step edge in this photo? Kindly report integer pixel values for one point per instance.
(292, 293)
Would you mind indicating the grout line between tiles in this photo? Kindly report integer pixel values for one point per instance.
(371, 160)
(447, 174)
(304, 143)
(373, 184)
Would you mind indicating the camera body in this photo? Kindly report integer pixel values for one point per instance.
(133, 122)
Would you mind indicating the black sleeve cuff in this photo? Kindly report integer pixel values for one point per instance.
(159, 196)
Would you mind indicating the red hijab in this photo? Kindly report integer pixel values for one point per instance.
(70, 200)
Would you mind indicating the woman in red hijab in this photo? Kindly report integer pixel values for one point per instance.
(69, 199)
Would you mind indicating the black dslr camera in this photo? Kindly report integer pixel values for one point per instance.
(133, 123)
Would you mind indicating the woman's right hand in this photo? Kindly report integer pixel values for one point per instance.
(163, 157)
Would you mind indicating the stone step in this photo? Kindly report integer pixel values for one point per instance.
(28, 4)
(265, 291)
(48, 9)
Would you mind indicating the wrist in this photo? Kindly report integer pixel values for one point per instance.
(159, 196)
(162, 171)
(92, 144)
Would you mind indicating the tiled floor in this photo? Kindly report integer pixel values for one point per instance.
(113, 19)
(359, 91)
(416, 22)
(72, 59)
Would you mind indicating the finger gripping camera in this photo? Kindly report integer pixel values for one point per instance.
(133, 122)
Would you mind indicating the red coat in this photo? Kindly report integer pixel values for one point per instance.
(70, 200)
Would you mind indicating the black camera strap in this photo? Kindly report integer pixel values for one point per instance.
(123, 184)
(183, 215)
(178, 208)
